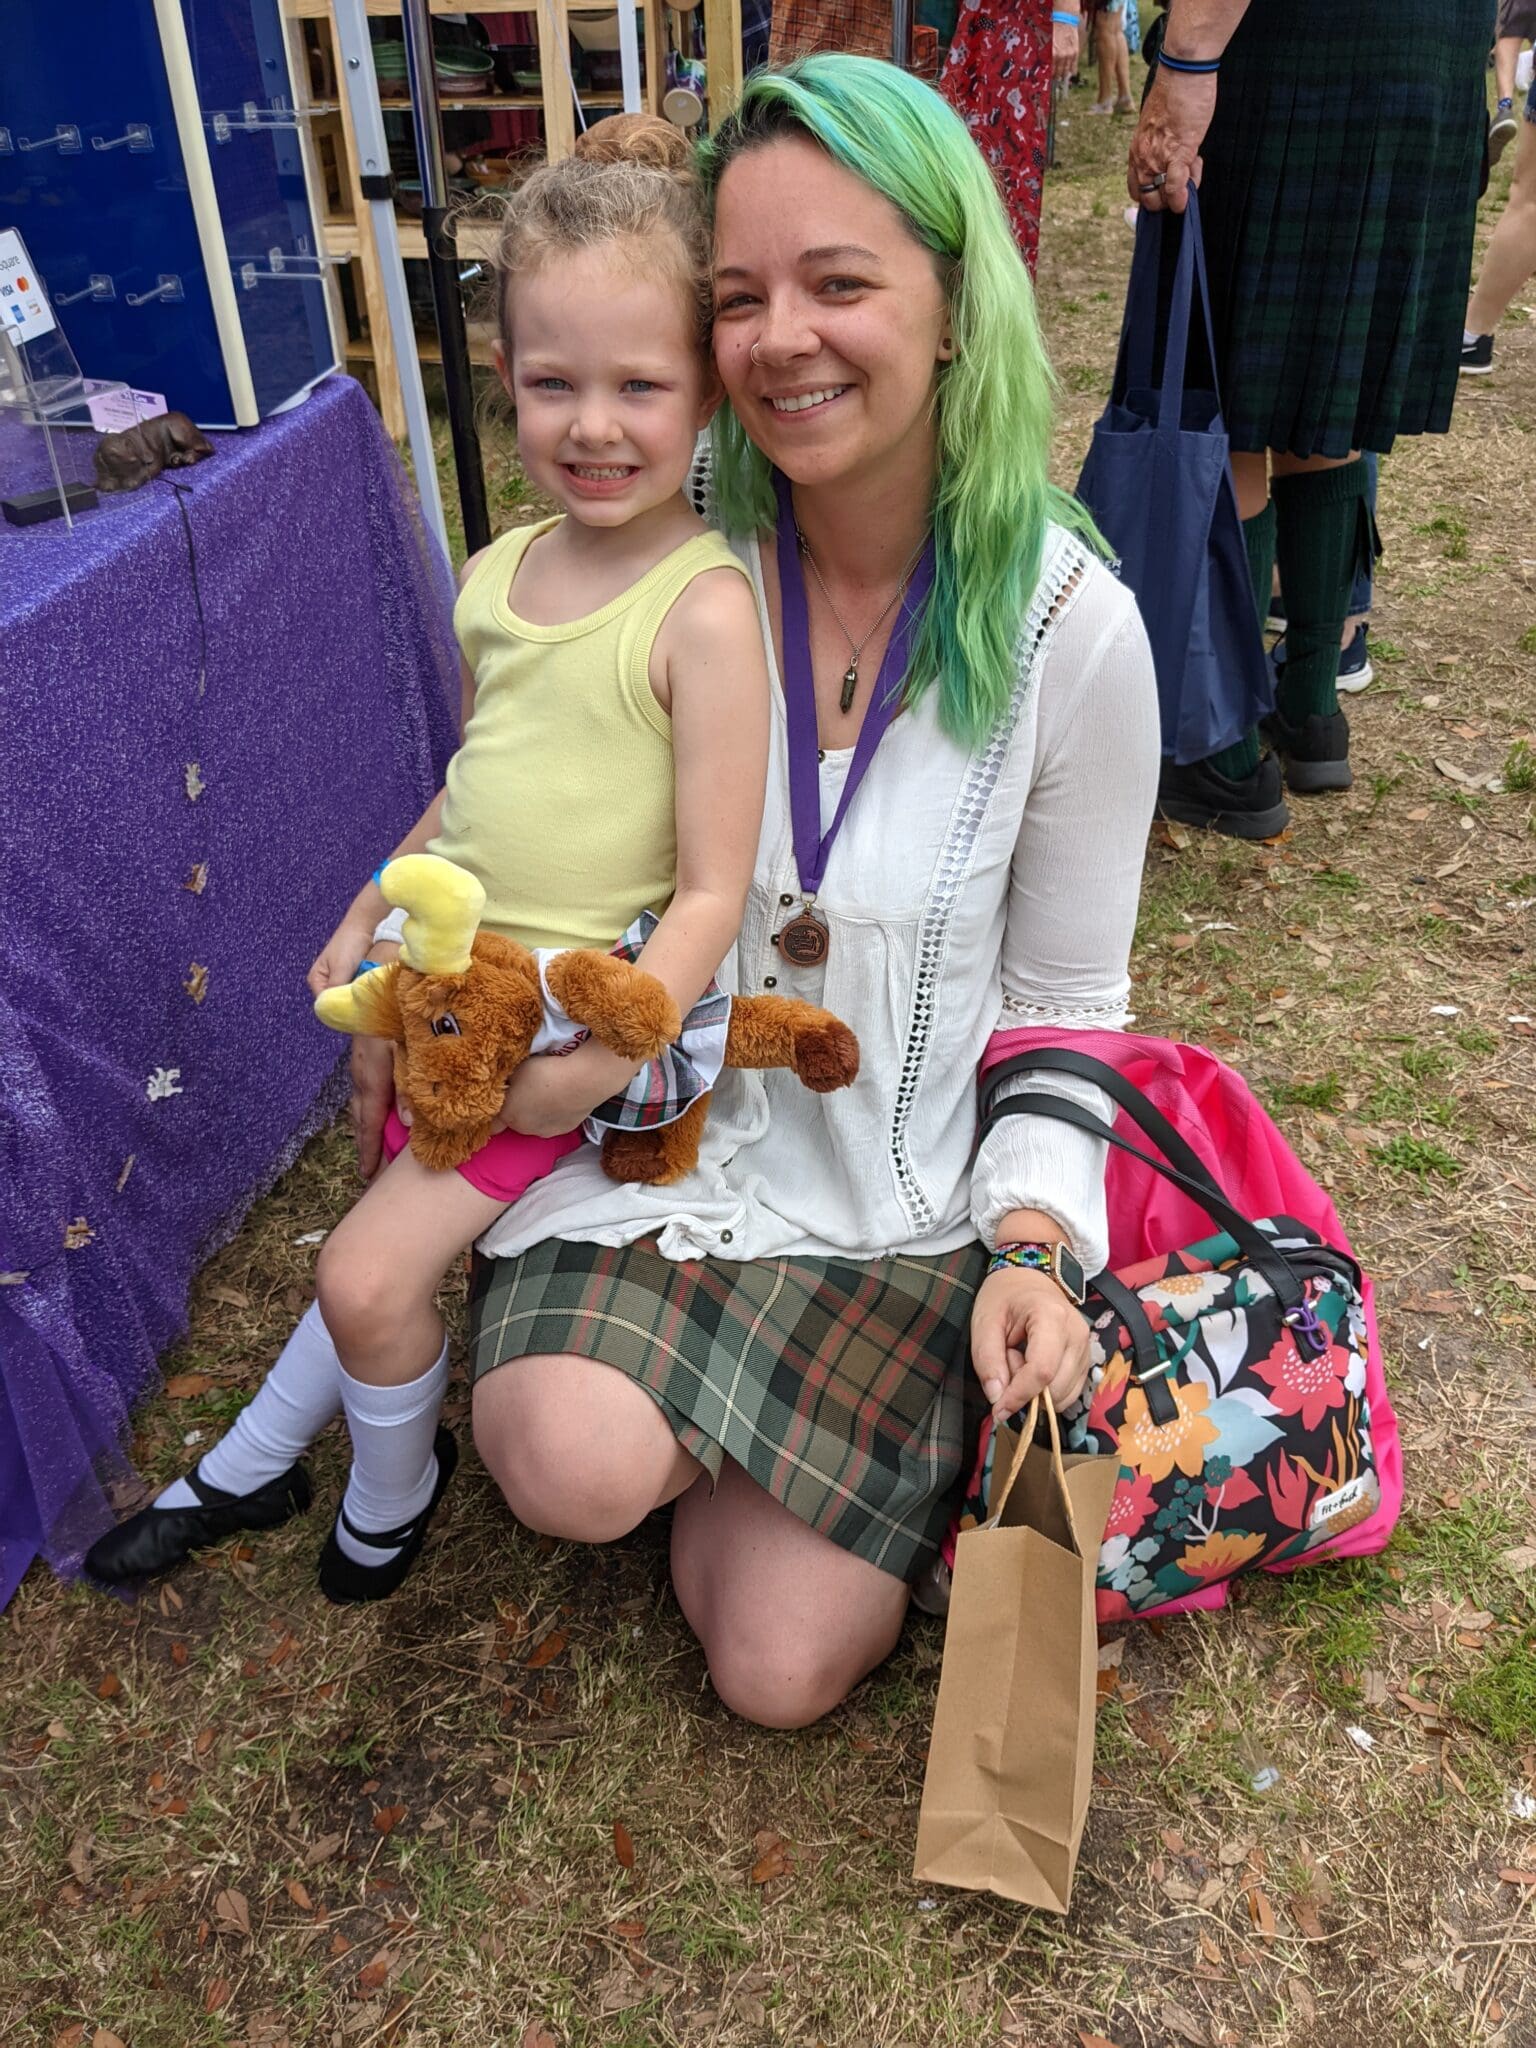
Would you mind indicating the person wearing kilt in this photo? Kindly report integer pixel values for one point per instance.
(795, 1344)
(1339, 152)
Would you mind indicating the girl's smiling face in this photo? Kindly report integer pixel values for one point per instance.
(822, 277)
(609, 382)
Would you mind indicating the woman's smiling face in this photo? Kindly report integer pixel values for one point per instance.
(820, 274)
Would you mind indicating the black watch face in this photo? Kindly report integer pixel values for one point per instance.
(1070, 1270)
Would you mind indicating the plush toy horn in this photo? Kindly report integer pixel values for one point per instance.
(368, 1007)
(444, 901)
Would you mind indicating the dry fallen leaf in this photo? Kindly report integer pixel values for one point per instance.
(322, 1851)
(1261, 1913)
(105, 2038)
(79, 1857)
(339, 1945)
(620, 1988)
(771, 1854)
(1521, 1559)
(387, 1818)
(536, 2035)
(373, 1976)
(1094, 2040)
(232, 1910)
(186, 1386)
(299, 1893)
(623, 1845)
(1509, 1875)
(220, 1991)
(548, 1650)
(110, 1686)
(206, 1737)
(1304, 1913)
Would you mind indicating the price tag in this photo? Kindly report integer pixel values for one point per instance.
(25, 313)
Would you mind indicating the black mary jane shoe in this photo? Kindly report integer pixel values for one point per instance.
(156, 1540)
(345, 1581)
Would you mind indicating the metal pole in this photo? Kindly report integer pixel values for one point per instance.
(629, 56)
(442, 265)
(901, 33)
(356, 50)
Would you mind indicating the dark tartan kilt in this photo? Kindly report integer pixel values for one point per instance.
(1339, 198)
(843, 1387)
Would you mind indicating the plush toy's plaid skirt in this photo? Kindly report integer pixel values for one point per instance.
(843, 1387)
(1339, 194)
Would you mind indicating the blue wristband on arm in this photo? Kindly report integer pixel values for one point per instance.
(1199, 67)
(1067, 20)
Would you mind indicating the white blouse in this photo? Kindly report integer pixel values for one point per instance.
(966, 892)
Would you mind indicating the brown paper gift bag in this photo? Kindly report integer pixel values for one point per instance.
(1010, 1765)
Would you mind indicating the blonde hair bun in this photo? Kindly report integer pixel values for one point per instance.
(637, 139)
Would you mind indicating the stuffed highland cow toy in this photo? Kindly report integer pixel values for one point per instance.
(465, 1008)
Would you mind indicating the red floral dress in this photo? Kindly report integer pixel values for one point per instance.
(998, 78)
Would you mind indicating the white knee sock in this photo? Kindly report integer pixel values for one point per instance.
(393, 1467)
(298, 1397)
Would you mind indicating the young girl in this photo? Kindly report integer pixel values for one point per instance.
(613, 760)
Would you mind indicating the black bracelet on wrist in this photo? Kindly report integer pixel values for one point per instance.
(1198, 67)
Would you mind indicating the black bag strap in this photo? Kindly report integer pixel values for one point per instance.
(1256, 1248)
(1060, 1059)
(1148, 1370)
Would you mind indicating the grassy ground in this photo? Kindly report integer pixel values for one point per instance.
(507, 1809)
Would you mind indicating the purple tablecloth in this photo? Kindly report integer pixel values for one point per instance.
(270, 742)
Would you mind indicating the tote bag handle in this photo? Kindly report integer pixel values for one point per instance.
(1139, 327)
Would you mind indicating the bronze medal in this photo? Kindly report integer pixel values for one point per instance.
(805, 941)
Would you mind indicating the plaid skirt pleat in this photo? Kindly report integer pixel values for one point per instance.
(1339, 199)
(843, 1387)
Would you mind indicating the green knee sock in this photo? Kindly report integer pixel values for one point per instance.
(1259, 539)
(1242, 757)
(1322, 527)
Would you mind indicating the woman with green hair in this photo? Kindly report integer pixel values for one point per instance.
(795, 1344)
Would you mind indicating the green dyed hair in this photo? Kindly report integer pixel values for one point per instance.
(993, 496)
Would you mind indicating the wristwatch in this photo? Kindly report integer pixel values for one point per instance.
(1059, 1260)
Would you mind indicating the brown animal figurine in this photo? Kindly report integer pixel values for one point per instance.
(465, 1008)
(130, 458)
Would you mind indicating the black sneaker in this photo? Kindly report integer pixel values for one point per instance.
(1502, 131)
(156, 1540)
(1477, 356)
(1315, 753)
(1251, 807)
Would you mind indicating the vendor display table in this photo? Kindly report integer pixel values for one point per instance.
(224, 698)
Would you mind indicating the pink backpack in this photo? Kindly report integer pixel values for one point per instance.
(1215, 1112)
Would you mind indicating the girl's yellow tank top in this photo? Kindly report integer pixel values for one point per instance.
(560, 799)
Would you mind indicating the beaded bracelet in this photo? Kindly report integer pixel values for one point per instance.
(1200, 67)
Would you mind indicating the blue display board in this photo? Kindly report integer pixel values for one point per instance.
(150, 156)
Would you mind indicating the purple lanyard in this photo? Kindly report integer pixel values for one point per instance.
(813, 848)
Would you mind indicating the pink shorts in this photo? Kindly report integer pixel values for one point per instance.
(506, 1165)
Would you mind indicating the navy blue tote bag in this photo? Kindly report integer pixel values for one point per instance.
(1157, 483)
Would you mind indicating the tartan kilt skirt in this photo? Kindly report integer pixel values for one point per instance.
(843, 1387)
(1338, 200)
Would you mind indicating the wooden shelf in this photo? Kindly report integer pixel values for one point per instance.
(428, 348)
(349, 235)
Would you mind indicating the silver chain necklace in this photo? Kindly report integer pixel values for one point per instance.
(856, 647)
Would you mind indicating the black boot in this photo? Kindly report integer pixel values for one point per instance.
(1315, 752)
(156, 1540)
(344, 1580)
(1249, 807)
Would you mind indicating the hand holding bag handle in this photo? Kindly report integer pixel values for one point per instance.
(1058, 1471)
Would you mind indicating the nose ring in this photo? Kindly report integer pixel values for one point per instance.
(752, 353)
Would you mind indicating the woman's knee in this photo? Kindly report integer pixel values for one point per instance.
(562, 1471)
(781, 1684)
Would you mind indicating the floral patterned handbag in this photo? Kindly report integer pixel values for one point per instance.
(1228, 1378)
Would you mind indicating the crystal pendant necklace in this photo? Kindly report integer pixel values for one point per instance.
(855, 647)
